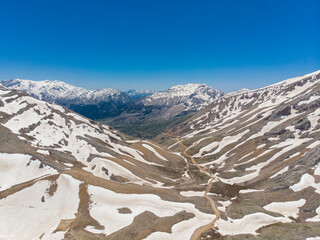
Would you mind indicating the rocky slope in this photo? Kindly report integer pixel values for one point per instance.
(266, 144)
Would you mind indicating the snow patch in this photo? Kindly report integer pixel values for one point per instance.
(287, 209)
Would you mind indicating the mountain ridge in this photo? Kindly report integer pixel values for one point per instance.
(265, 140)
(63, 176)
(193, 96)
(141, 110)
(62, 93)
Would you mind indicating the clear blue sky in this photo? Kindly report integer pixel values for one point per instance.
(156, 44)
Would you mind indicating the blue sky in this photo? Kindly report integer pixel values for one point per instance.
(156, 44)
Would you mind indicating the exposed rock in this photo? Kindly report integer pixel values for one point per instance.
(303, 124)
(311, 158)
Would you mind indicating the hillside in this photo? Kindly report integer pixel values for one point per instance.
(65, 177)
(267, 142)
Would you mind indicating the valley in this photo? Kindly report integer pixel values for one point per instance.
(197, 234)
(207, 165)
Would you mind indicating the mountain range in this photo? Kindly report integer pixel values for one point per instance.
(246, 166)
(126, 111)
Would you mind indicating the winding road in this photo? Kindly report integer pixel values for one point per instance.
(197, 234)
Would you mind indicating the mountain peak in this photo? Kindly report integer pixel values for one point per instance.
(193, 96)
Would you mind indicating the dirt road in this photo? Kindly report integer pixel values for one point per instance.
(197, 234)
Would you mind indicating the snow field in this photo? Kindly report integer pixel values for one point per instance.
(287, 209)
(19, 168)
(37, 217)
(249, 224)
(154, 151)
(105, 204)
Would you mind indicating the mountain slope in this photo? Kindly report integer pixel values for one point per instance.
(265, 142)
(138, 113)
(66, 177)
(63, 176)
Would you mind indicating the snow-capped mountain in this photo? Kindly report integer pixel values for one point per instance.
(65, 94)
(247, 165)
(192, 96)
(163, 110)
(139, 94)
(51, 129)
(124, 110)
(94, 104)
(267, 143)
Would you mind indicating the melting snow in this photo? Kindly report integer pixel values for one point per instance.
(35, 216)
(19, 168)
(307, 180)
(45, 152)
(287, 209)
(249, 224)
(250, 190)
(105, 204)
(154, 151)
(280, 172)
(192, 193)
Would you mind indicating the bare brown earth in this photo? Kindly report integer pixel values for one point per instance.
(147, 223)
